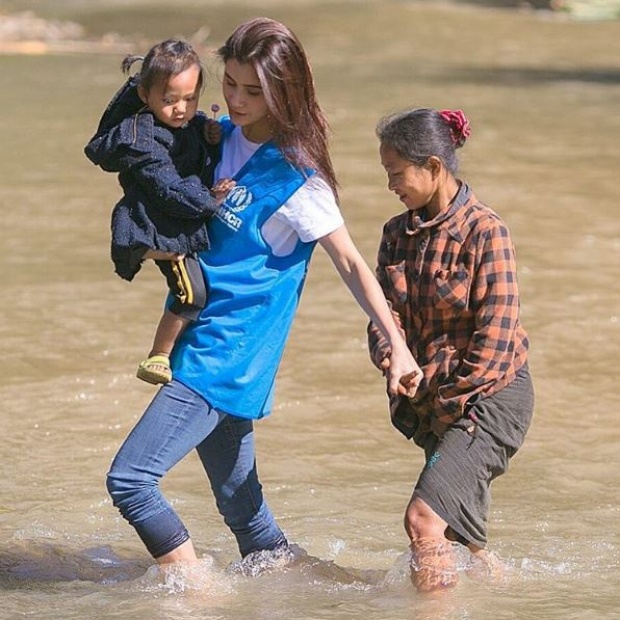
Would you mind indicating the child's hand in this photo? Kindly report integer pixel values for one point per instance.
(212, 131)
(220, 190)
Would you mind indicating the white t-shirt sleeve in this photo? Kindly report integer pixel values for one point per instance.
(309, 214)
(312, 210)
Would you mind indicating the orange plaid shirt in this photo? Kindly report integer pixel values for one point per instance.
(452, 285)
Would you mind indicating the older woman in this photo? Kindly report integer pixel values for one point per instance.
(447, 267)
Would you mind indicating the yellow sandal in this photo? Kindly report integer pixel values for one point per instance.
(155, 370)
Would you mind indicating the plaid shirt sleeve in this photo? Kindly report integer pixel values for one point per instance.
(378, 346)
(495, 302)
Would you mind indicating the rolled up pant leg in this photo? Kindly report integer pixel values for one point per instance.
(174, 423)
(177, 421)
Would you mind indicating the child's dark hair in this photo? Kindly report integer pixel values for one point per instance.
(163, 61)
(416, 135)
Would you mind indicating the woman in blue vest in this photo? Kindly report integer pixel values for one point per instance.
(285, 201)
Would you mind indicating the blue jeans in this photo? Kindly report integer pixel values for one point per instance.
(177, 421)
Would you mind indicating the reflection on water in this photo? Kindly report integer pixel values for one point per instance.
(542, 95)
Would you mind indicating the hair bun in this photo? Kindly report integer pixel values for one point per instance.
(459, 126)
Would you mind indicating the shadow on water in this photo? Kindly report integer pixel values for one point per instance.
(41, 562)
(509, 4)
(528, 75)
(281, 586)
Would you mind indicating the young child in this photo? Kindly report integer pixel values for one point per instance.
(165, 152)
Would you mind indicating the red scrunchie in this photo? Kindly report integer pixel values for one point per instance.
(459, 126)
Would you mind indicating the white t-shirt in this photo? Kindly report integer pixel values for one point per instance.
(309, 214)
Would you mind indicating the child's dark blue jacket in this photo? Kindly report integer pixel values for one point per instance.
(165, 174)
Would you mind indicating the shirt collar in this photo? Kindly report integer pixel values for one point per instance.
(416, 222)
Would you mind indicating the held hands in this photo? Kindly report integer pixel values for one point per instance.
(402, 372)
(408, 384)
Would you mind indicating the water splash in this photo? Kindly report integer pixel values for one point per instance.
(261, 562)
(491, 569)
(203, 577)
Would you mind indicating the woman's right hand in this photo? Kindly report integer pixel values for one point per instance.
(212, 131)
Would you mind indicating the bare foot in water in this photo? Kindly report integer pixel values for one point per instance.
(486, 566)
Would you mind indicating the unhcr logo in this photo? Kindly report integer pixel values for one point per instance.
(237, 200)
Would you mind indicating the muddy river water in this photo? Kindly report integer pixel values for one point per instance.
(543, 97)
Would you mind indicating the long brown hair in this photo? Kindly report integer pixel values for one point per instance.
(300, 128)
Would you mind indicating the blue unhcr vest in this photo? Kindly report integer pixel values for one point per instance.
(231, 354)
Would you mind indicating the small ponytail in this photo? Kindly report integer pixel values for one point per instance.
(128, 61)
(163, 61)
